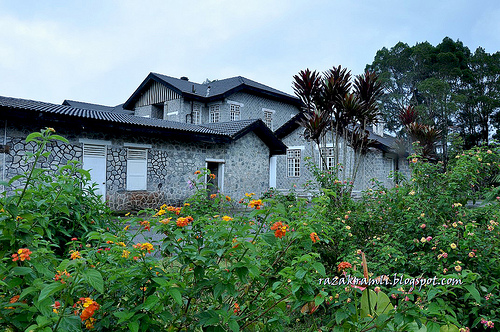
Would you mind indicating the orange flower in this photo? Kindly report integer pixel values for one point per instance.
(228, 198)
(255, 203)
(197, 172)
(344, 265)
(182, 221)
(14, 299)
(212, 176)
(146, 225)
(213, 196)
(59, 275)
(280, 229)
(143, 246)
(90, 306)
(166, 220)
(75, 254)
(314, 237)
(227, 218)
(22, 254)
(236, 308)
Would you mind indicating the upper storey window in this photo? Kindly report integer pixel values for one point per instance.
(196, 114)
(214, 113)
(268, 118)
(235, 112)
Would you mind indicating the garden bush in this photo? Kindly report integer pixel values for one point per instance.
(250, 263)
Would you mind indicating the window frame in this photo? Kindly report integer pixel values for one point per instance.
(293, 162)
(234, 112)
(196, 114)
(132, 163)
(268, 117)
(214, 114)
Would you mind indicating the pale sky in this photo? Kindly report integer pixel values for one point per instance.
(100, 51)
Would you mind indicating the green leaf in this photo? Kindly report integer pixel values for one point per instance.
(233, 325)
(175, 294)
(123, 316)
(33, 137)
(448, 328)
(133, 326)
(60, 138)
(150, 302)
(474, 292)
(320, 268)
(70, 324)
(50, 289)
(94, 279)
(20, 271)
(300, 273)
(218, 290)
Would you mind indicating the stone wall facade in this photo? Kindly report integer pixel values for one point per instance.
(251, 107)
(376, 164)
(170, 165)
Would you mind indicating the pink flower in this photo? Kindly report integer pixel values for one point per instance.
(429, 238)
(444, 255)
(407, 298)
(394, 296)
(422, 226)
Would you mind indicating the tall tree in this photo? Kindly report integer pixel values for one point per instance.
(451, 88)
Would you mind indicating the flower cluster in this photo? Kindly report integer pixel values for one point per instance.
(344, 265)
(255, 203)
(146, 224)
(279, 229)
(22, 254)
(62, 276)
(75, 254)
(184, 221)
(146, 246)
(88, 307)
(314, 237)
(487, 323)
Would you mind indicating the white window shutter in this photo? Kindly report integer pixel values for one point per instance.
(137, 166)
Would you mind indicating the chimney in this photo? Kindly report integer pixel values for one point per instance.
(184, 78)
(208, 91)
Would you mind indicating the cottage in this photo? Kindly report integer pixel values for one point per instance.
(143, 153)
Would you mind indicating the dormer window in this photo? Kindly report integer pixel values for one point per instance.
(235, 112)
(214, 113)
(196, 114)
(268, 118)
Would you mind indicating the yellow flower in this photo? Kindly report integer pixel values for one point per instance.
(453, 246)
(75, 254)
(187, 204)
(126, 228)
(127, 214)
(412, 192)
(125, 253)
(348, 227)
(227, 218)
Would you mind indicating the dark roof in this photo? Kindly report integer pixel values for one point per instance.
(97, 107)
(386, 143)
(224, 131)
(237, 129)
(212, 91)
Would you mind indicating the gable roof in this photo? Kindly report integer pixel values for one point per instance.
(212, 91)
(81, 104)
(23, 109)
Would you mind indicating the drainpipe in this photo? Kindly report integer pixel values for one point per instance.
(5, 146)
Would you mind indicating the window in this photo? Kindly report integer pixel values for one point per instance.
(329, 155)
(196, 114)
(293, 162)
(137, 167)
(268, 118)
(235, 112)
(214, 113)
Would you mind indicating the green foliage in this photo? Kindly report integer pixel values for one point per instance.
(265, 264)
